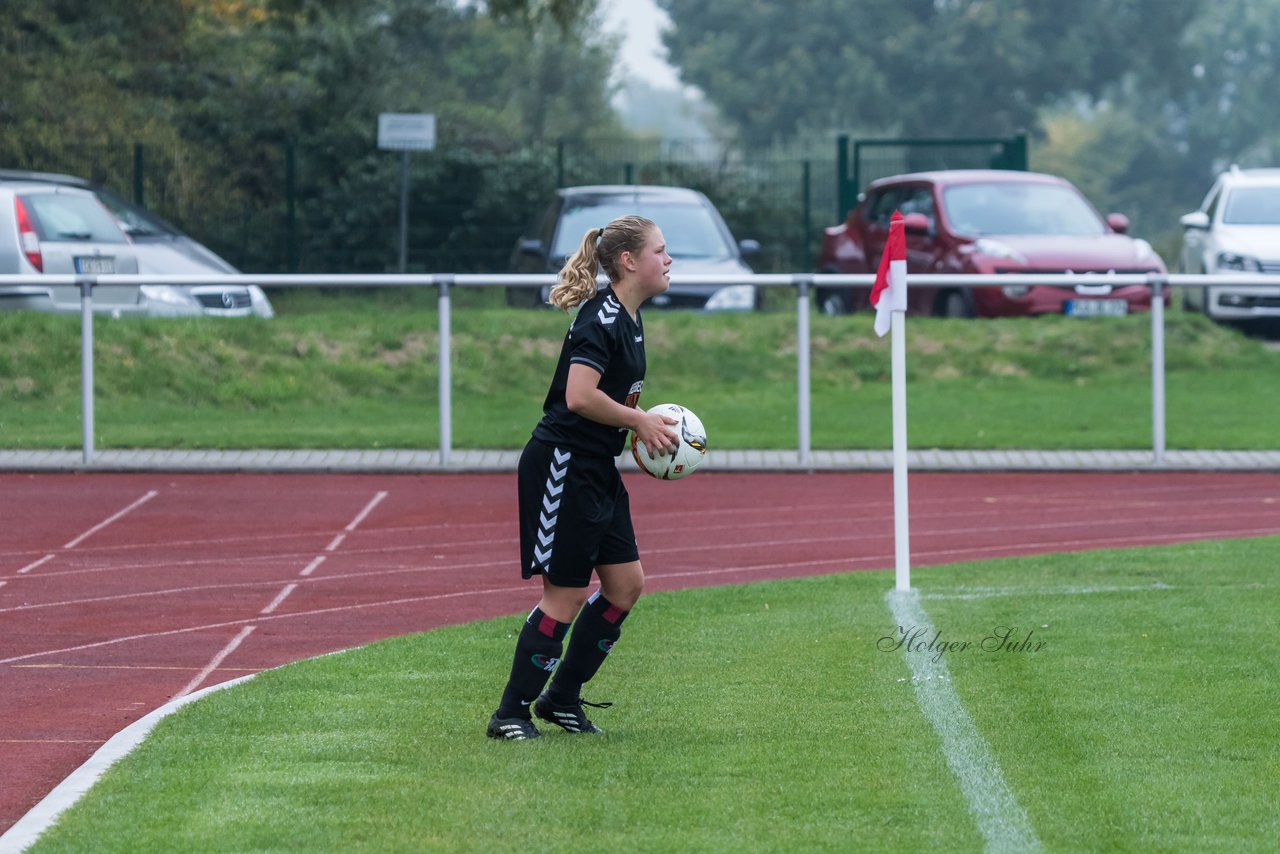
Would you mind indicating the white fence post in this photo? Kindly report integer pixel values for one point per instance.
(1157, 370)
(86, 369)
(446, 361)
(802, 368)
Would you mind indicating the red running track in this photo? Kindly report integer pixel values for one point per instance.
(119, 593)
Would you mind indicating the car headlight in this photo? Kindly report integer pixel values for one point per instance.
(1234, 261)
(169, 295)
(1016, 291)
(996, 249)
(733, 298)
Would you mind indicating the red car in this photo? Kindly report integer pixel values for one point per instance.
(988, 222)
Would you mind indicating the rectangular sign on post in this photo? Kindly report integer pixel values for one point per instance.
(407, 131)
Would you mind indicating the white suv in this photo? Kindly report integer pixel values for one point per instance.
(1236, 229)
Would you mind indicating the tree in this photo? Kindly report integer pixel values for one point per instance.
(218, 91)
(914, 67)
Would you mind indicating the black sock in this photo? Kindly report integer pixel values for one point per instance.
(538, 650)
(597, 628)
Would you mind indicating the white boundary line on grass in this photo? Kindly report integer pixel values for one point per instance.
(23, 834)
(1003, 823)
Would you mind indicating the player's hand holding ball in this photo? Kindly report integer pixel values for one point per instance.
(690, 447)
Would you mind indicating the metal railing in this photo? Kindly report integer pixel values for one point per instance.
(803, 283)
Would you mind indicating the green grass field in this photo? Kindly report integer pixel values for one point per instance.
(360, 371)
(764, 717)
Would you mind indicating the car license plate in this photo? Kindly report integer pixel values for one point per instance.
(1095, 307)
(95, 265)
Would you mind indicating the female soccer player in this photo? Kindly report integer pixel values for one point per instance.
(575, 517)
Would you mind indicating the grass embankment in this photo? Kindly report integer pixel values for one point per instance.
(764, 717)
(360, 371)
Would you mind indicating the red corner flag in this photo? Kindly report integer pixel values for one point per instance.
(891, 277)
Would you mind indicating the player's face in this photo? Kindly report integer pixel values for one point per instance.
(653, 267)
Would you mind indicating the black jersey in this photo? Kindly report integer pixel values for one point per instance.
(602, 336)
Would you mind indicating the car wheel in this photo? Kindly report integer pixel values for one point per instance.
(953, 304)
(834, 303)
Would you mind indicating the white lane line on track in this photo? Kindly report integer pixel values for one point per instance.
(34, 564)
(1001, 820)
(368, 508)
(378, 570)
(113, 518)
(408, 600)
(213, 663)
(280, 597)
(311, 567)
(333, 545)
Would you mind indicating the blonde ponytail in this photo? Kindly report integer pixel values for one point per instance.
(601, 248)
(578, 276)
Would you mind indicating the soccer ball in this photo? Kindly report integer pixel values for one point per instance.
(687, 457)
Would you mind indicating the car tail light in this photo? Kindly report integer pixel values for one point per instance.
(27, 237)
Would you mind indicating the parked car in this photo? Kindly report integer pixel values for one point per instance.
(697, 239)
(989, 222)
(46, 228)
(1236, 229)
(160, 248)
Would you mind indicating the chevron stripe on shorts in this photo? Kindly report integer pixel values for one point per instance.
(550, 512)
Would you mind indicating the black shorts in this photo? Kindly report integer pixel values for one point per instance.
(574, 515)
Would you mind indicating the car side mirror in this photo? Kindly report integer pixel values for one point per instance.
(1195, 219)
(532, 248)
(1118, 222)
(749, 248)
(916, 223)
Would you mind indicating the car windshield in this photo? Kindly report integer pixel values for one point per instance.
(1019, 208)
(69, 217)
(689, 229)
(137, 222)
(1252, 206)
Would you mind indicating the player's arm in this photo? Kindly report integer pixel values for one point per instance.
(583, 396)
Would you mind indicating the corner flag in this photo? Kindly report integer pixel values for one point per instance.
(891, 277)
(889, 296)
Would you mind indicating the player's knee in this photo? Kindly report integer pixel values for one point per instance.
(624, 593)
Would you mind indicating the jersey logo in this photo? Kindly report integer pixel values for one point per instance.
(608, 313)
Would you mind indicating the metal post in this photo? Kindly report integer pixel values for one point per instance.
(802, 366)
(446, 346)
(137, 175)
(806, 221)
(291, 208)
(86, 367)
(404, 210)
(901, 505)
(842, 177)
(1157, 370)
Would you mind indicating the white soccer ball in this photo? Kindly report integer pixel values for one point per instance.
(687, 457)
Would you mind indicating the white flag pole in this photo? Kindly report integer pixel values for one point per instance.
(889, 295)
(901, 532)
